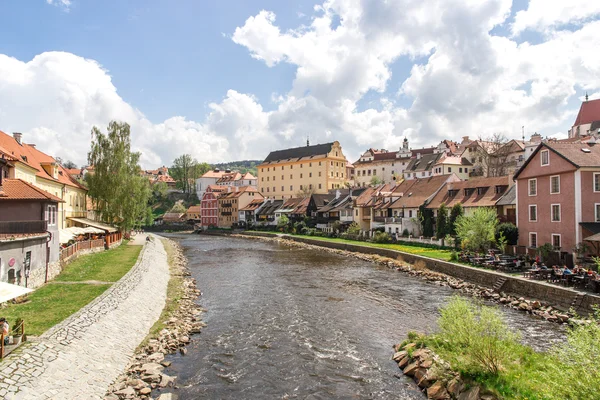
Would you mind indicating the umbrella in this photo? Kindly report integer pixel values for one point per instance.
(9, 291)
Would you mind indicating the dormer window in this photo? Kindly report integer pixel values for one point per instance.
(452, 193)
(469, 191)
(500, 189)
(481, 190)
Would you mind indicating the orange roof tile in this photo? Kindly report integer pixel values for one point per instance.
(17, 189)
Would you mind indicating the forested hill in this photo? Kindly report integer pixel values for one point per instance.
(242, 166)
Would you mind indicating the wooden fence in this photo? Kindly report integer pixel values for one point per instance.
(76, 247)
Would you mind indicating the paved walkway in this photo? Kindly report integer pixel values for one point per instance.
(81, 357)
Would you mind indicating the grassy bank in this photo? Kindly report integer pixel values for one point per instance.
(477, 343)
(68, 293)
(438, 254)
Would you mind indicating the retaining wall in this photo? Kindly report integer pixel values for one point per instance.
(558, 296)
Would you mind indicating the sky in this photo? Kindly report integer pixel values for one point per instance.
(231, 80)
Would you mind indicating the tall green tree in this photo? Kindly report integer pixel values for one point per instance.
(441, 224)
(426, 219)
(455, 212)
(119, 193)
(186, 170)
(477, 231)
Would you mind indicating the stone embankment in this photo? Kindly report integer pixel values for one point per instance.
(529, 306)
(145, 375)
(434, 376)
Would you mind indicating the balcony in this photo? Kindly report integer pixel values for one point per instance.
(379, 219)
(23, 227)
(226, 213)
(393, 220)
(226, 205)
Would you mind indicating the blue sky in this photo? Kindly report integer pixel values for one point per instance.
(236, 79)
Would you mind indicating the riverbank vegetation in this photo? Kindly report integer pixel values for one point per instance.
(478, 345)
(72, 289)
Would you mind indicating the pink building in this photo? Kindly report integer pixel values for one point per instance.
(209, 205)
(558, 195)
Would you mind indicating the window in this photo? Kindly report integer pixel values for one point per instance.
(291, 188)
(310, 186)
(460, 170)
(597, 182)
(282, 167)
(51, 215)
(301, 165)
(310, 164)
(545, 157)
(273, 179)
(319, 186)
(319, 163)
(332, 163)
(291, 176)
(291, 167)
(409, 213)
(597, 208)
(356, 212)
(556, 240)
(533, 213)
(300, 176)
(319, 173)
(555, 212)
(300, 187)
(267, 179)
(273, 188)
(533, 187)
(282, 189)
(533, 239)
(310, 174)
(554, 184)
(449, 169)
(374, 172)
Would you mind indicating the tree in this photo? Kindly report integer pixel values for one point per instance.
(509, 231)
(149, 217)
(178, 208)
(426, 220)
(304, 192)
(441, 222)
(182, 171)
(160, 190)
(376, 181)
(492, 155)
(119, 193)
(282, 224)
(66, 164)
(477, 231)
(455, 212)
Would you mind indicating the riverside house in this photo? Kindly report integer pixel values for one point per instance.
(308, 169)
(558, 196)
(209, 207)
(29, 246)
(231, 201)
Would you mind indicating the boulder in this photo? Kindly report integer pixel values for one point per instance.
(411, 369)
(438, 391)
(524, 306)
(427, 363)
(156, 357)
(151, 368)
(536, 304)
(166, 380)
(145, 391)
(421, 377)
(471, 394)
(167, 396)
(455, 386)
(403, 362)
(420, 353)
(128, 392)
(399, 355)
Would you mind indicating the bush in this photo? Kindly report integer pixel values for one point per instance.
(478, 333)
(405, 233)
(453, 256)
(382, 237)
(510, 232)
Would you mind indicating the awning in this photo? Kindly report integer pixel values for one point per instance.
(95, 224)
(593, 238)
(9, 291)
(67, 234)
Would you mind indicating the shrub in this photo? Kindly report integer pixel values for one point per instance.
(477, 231)
(510, 232)
(382, 237)
(477, 332)
(405, 233)
(441, 224)
(453, 256)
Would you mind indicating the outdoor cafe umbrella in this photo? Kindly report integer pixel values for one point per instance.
(9, 291)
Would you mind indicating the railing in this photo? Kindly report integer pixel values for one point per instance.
(18, 335)
(225, 213)
(73, 249)
(379, 219)
(393, 220)
(226, 205)
(508, 218)
(23, 226)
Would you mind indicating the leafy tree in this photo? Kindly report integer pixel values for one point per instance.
(149, 217)
(66, 164)
(178, 208)
(120, 195)
(282, 224)
(441, 222)
(455, 212)
(376, 181)
(182, 171)
(426, 220)
(510, 232)
(305, 192)
(160, 189)
(477, 231)
(353, 229)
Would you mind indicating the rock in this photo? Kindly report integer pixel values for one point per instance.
(166, 364)
(111, 397)
(427, 363)
(409, 346)
(399, 355)
(184, 339)
(128, 392)
(535, 305)
(145, 391)
(403, 362)
(562, 317)
(420, 377)
(411, 368)
(455, 386)
(166, 380)
(151, 368)
(471, 394)
(156, 357)
(167, 396)
(524, 306)
(438, 391)
(420, 353)
(488, 397)
(183, 351)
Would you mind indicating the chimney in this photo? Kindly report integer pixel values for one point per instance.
(228, 189)
(3, 163)
(337, 194)
(31, 145)
(418, 156)
(18, 136)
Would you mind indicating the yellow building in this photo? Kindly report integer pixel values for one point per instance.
(29, 164)
(309, 169)
(231, 201)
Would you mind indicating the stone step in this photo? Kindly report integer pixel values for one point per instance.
(577, 300)
(499, 283)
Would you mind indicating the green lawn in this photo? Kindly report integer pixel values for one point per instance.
(416, 249)
(106, 266)
(57, 300)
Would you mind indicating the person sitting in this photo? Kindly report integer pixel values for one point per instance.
(543, 266)
(567, 271)
(5, 330)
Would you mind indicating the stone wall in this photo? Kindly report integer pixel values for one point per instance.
(558, 296)
(115, 244)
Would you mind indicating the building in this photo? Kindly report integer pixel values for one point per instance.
(27, 163)
(558, 196)
(194, 213)
(267, 213)
(247, 214)
(209, 206)
(381, 166)
(588, 119)
(364, 204)
(309, 169)
(421, 166)
(237, 179)
(231, 201)
(173, 218)
(350, 173)
(448, 164)
(29, 240)
(209, 178)
(161, 175)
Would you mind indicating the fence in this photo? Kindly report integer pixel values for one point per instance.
(76, 247)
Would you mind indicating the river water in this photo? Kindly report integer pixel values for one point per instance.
(290, 323)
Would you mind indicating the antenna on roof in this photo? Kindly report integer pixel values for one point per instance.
(307, 141)
(523, 132)
(586, 96)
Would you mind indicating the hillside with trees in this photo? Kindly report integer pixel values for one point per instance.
(242, 166)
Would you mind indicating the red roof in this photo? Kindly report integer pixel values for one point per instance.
(588, 113)
(17, 189)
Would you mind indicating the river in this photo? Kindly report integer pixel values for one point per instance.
(291, 323)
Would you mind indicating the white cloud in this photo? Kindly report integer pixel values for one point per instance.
(60, 3)
(542, 15)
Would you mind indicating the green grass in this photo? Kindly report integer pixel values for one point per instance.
(56, 301)
(51, 304)
(106, 266)
(438, 254)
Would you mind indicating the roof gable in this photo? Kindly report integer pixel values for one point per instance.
(588, 112)
(299, 152)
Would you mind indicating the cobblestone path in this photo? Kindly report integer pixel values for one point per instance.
(80, 357)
